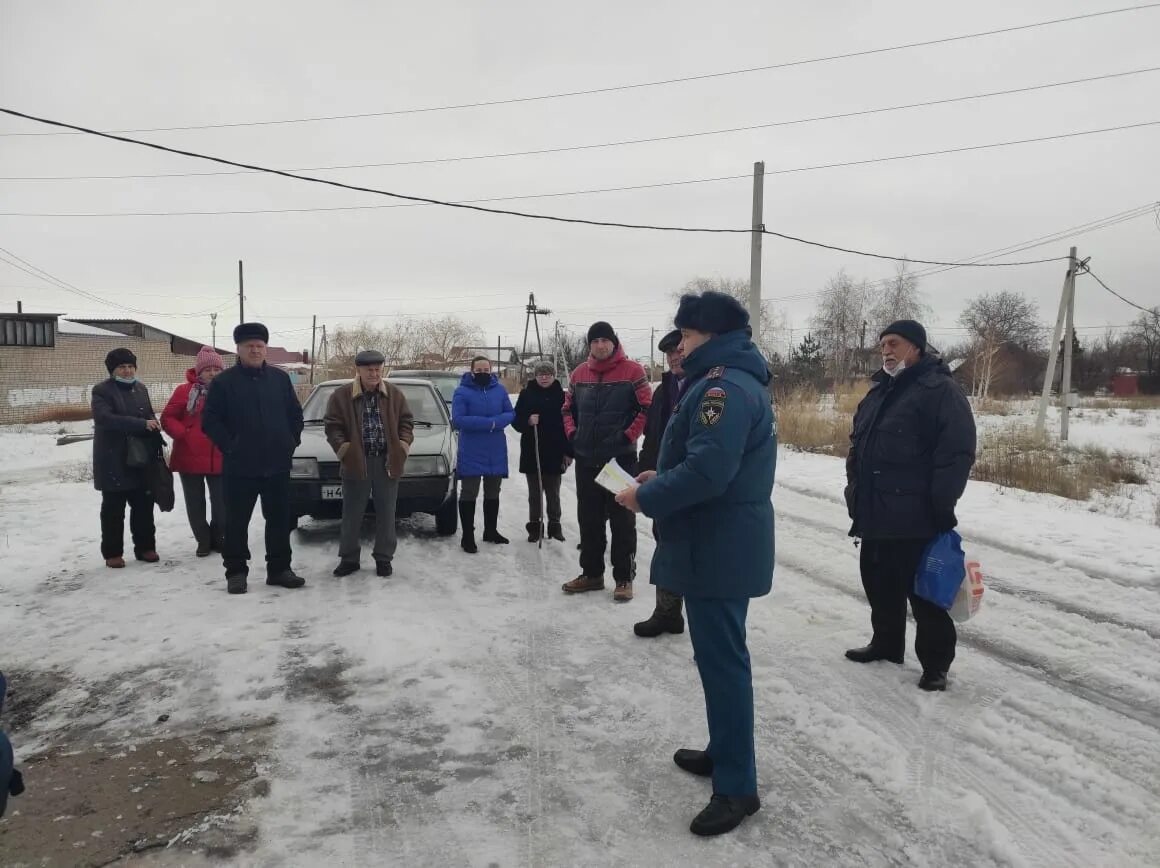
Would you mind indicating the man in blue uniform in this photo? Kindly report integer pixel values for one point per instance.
(709, 499)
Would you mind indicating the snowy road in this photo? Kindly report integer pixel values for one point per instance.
(466, 713)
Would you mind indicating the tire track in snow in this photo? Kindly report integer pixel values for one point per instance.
(1088, 570)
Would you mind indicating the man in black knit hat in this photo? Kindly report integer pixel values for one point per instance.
(604, 415)
(911, 451)
(253, 416)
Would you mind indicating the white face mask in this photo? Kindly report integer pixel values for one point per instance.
(898, 369)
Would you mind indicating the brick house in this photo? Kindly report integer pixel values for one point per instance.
(48, 363)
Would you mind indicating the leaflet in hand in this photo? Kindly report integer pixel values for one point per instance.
(615, 478)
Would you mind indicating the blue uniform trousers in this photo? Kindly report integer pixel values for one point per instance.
(717, 628)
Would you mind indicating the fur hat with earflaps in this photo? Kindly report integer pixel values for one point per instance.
(711, 312)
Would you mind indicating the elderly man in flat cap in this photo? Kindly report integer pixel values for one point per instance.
(253, 416)
(370, 428)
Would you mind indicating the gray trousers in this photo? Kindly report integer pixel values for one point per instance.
(551, 494)
(193, 486)
(469, 487)
(355, 494)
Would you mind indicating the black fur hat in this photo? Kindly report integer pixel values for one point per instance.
(712, 312)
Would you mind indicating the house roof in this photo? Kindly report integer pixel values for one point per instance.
(68, 327)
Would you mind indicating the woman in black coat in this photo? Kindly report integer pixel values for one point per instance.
(540, 408)
(122, 411)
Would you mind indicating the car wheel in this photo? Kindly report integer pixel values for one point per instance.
(447, 518)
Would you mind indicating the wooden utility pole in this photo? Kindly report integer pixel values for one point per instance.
(755, 248)
(213, 326)
(313, 333)
(241, 294)
(1065, 300)
(652, 345)
(325, 354)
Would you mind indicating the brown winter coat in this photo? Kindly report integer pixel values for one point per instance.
(344, 428)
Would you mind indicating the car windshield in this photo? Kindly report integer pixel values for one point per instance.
(444, 381)
(425, 406)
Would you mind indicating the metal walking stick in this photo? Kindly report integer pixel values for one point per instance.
(540, 482)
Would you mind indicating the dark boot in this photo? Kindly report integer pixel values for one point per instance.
(933, 680)
(724, 814)
(204, 547)
(467, 526)
(236, 583)
(490, 522)
(695, 762)
(384, 569)
(666, 617)
(286, 579)
(555, 531)
(533, 531)
(345, 568)
(869, 654)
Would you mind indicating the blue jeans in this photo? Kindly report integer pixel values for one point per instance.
(717, 628)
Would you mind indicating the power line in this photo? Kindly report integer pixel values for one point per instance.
(470, 203)
(27, 267)
(1087, 270)
(525, 215)
(601, 145)
(635, 85)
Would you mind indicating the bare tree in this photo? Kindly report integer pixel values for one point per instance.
(995, 323)
(573, 349)
(900, 298)
(839, 323)
(438, 337)
(1145, 334)
(768, 334)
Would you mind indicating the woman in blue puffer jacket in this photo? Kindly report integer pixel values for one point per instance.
(480, 411)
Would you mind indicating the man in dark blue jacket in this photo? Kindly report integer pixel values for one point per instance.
(253, 416)
(710, 503)
(11, 782)
(911, 453)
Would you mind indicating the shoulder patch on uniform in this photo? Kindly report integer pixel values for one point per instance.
(716, 373)
(712, 406)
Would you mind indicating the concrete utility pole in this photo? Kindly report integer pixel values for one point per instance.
(652, 344)
(313, 332)
(755, 248)
(241, 295)
(1065, 315)
(213, 328)
(1068, 345)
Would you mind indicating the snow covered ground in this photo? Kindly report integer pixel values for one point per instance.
(465, 712)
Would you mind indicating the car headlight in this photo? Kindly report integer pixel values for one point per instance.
(304, 468)
(426, 465)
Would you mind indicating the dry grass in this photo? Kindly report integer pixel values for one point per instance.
(992, 407)
(813, 423)
(70, 413)
(1016, 457)
(1132, 402)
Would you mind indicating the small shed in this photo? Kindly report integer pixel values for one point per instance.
(1125, 384)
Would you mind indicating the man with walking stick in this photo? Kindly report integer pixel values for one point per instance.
(545, 452)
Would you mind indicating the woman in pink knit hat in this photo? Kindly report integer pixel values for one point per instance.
(194, 457)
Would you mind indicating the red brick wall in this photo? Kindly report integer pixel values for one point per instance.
(36, 379)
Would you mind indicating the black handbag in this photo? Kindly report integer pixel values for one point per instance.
(139, 452)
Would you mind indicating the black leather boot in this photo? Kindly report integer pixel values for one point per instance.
(467, 526)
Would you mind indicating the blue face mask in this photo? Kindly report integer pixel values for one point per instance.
(128, 381)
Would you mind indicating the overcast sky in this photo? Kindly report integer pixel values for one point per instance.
(119, 64)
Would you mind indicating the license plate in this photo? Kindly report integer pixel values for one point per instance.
(332, 492)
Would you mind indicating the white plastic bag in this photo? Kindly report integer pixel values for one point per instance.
(970, 595)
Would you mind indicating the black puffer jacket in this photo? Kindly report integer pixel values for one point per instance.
(911, 452)
(659, 413)
(253, 416)
(554, 446)
(120, 411)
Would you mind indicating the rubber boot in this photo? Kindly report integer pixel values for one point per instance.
(467, 525)
(490, 522)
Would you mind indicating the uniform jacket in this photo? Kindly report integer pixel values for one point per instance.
(480, 415)
(554, 445)
(659, 413)
(193, 451)
(253, 416)
(911, 451)
(606, 407)
(710, 501)
(119, 412)
(344, 428)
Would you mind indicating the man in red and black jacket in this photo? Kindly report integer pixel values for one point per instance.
(604, 416)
